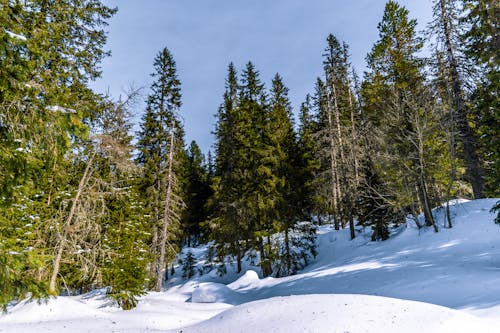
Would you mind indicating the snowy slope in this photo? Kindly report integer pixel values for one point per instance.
(457, 268)
(341, 313)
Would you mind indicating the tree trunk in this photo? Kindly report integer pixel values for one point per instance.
(288, 254)
(166, 216)
(62, 243)
(154, 250)
(238, 259)
(333, 167)
(350, 217)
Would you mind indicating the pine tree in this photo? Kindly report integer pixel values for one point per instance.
(341, 129)
(188, 265)
(123, 226)
(197, 195)
(283, 155)
(161, 154)
(482, 45)
(453, 65)
(398, 105)
(307, 164)
(45, 104)
(227, 228)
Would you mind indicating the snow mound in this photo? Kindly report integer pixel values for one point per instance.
(210, 292)
(342, 313)
(246, 280)
(53, 309)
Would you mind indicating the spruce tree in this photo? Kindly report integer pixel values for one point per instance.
(123, 227)
(45, 107)
(197, 195)
(398, 104)
(482, 45)
(227, 228)
(307, 163)
(161, 154)
(452, 69)
(289, 190)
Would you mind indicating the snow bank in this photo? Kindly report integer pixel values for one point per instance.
(250, 278)
(61, 308)
(341, 313)
(210, 292)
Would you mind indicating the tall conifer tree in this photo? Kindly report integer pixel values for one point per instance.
(398, 105)
(161, 154)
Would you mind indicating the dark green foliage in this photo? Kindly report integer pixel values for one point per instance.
(496, 208)
(188, 266)
(258, 191)
(374, 207)
(198, 192)
(20, 263)
(399, 111)
(124, 242)
(482, 46)
(307, 166)
(162, 159)
(45, 108)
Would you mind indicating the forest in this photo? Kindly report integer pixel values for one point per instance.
(86, 203)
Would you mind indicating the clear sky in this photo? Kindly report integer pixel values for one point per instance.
(284, 36)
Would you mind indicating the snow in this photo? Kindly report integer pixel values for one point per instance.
(16, 36)
(417, 281)
(57, 108)
(341, 313)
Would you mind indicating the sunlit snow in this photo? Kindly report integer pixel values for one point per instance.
(417, 281)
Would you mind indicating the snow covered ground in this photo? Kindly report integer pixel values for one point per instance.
(417, 281)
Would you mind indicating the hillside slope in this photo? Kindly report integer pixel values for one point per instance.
(457, 268)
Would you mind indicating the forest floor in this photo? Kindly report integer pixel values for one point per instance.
(417, 281)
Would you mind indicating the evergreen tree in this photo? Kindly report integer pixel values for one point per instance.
(451, 71)
(227, 228)
(283, 155)
(307, 164)
(49, 52)
(482, 45)
(188, 265)
(340, 127)
(161, 154)
(399, 107)
(197, 193)
(123, 226)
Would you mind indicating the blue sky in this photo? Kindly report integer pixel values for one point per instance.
(284, 36)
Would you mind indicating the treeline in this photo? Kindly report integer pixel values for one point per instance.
(83, 205)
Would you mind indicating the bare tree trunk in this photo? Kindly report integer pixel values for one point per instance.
(333, 166)
(166, 216)
(341, 174)
(288, 255)
(453, 172)
(64, 237)
(354, 139)
(238, 259)
(154, 251)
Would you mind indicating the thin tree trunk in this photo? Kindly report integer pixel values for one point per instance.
(288, 254)
(166, 216)
(333, 166)
(452, 167)
(154, 250)
(238, 259)
(341, 174)
(354, 135)
(62, 243)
